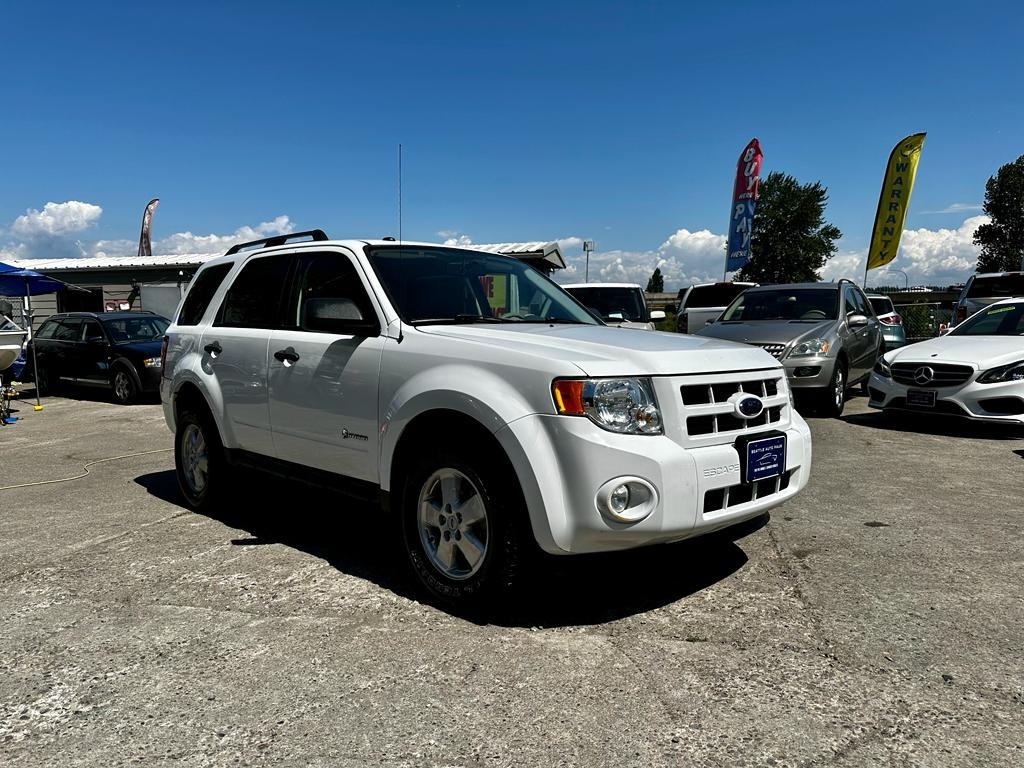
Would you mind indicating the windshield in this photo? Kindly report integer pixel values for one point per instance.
(124, 330)
(785, 304)
(999, 285)
(615, 304)
(439, 285)
(1000, 320)
(717, 295)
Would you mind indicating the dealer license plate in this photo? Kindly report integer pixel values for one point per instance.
(765, 458)
(921, 398)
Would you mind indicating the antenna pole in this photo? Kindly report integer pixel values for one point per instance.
(399, 193)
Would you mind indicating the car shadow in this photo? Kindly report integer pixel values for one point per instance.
(85, 394)
(942, 426)
(561, 591)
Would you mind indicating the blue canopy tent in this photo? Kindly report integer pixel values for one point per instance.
(15, 281)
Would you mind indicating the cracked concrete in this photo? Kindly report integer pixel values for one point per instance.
(876, 619)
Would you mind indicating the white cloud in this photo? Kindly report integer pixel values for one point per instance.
(453, 237)
(958, 208)
(57, 219)
(186, 242)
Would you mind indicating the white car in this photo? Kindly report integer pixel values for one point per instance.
(975, 371)
(474, 398)
(623, 305)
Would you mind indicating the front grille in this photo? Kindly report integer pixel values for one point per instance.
(775, 350)
(722, 498)
(702, 394)
(943, 374)
(717, 413)
(727, 422)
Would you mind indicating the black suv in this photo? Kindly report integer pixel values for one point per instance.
(119, 350)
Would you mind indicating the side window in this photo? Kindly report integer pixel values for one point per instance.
(203, 287)
(254, 298)
(47, 329)
(854, 303)
(69, 329)
(327, 295)
(90, 330)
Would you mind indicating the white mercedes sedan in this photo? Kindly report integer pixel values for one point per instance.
(975, 371)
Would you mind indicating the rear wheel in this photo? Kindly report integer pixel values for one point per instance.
(461, 527)
(199, 460)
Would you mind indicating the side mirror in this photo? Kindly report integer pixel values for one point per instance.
(855, 320)
(657, 314)
(341, 316)
(672, 309)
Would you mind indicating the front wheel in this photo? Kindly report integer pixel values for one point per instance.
(460, 526)
(199, 460)
(122, 385)
(833, 398)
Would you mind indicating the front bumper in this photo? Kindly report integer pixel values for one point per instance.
(971, 400)
(809, 372)
(569, 459)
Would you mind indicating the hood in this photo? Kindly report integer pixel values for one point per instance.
(768, 331)
(602, 351)
(980, 351)
(141, 349)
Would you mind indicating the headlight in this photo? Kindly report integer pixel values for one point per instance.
(882, 368)
(151, 362)
(1011, 372)
(815, 347)
(627, 406)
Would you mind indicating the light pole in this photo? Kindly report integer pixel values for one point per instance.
(906, 280)
(588, 246)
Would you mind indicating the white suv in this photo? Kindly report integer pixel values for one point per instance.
(475, 398)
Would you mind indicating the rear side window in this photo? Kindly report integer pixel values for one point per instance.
(1005, 286)
(882, 306)
(254, 298)
(47, 329)
(203, 287)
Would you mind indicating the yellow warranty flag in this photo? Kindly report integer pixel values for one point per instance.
(894, 200)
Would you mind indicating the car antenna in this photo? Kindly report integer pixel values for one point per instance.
(400, 226)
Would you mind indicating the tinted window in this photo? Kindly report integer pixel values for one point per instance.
(613, 303)
(1006, 286)
(90, 330)
(882, 306)
(204, 285)
(69, 329)
(717, 295)
(254, 297)
(783, 304)
(328, 295)
(855, 302)
(1000, 320)
(47, 329)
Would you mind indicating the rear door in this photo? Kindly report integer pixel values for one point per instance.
(234, 349)
(324, 368)
(93, 363)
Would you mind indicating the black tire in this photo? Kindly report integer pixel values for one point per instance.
(472, 479)
(201, 489)
(832, 400)
(123, 385)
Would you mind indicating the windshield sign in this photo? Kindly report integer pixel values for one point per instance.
(1000, 320)
(799, 304)
(440, 285)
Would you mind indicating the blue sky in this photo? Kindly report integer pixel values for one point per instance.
(519, 121)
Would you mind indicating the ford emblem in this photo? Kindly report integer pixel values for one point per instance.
(749, 407)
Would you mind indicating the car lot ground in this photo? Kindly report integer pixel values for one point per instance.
(876, 619)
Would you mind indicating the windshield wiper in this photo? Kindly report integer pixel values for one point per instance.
(461, 318)
(558, 321)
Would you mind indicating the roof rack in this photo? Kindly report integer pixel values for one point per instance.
(267, 242)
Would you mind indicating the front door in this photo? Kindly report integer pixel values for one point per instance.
(323, 380)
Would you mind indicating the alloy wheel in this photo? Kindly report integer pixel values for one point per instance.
(452, 523)
(194, 458)
(122, 386)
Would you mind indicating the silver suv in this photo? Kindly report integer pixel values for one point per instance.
(826, 335)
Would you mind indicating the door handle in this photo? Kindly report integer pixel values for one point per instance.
(213, 348)
(287, 355)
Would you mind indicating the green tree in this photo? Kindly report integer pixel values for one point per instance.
(790, 240)
(657, 283)
(1002, 240)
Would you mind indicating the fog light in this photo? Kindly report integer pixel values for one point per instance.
(619, 500)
